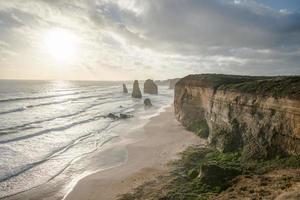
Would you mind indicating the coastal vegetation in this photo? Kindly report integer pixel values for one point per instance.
(203, 173)
(276, 86)
(200, 128)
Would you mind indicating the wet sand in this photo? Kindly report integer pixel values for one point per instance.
(161, 141)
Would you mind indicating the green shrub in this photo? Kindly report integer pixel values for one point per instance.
(185, 184)
(200, 128)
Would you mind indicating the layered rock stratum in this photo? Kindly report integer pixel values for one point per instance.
(258, 115)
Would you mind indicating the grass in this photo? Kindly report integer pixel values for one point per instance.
(276, 86)
(200, 128)
(184, 182)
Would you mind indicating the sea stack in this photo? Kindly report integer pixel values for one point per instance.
(136, 92)
(125, 89)
(150, 87)
(147, 102)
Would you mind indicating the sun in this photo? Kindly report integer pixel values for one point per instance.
(62, 45)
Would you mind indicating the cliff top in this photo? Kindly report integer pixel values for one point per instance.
(277, 86)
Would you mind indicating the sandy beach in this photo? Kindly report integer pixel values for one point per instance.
(162, 139)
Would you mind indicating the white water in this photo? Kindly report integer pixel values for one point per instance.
(46, 126)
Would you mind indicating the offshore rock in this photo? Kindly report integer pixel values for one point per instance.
(112, 116)
(125, 89)
(147, 102)
(150, 87)
(121, 116)
(125, 116)
(136, 92)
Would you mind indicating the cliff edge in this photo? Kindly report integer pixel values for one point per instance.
(258, 115)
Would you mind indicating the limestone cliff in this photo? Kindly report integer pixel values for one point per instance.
(169, 82)
(259, 115)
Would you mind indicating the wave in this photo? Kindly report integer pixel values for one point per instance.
(60, 128)
(8, 130)
(56, 154)
(38, 97)
(13, 110)
(47, 96)
(51, 103)
(49, 156)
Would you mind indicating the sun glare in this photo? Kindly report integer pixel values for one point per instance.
(62, 45)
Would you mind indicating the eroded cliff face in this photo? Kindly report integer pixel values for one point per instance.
(261, 125)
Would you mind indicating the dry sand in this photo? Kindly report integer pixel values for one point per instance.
(163, 138)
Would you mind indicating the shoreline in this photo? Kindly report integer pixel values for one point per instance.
(161, 141)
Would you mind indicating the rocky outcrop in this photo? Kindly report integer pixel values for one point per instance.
(150, 87)
(258, 115)
(147, 102)
(121, 116)
(124, 116)
(125, 89)
(216, 175)
(136, 92)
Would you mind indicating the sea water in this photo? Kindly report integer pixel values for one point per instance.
(53, 130)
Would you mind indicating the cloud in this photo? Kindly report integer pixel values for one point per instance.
(198, 23)
(160, 38)
(244, 30)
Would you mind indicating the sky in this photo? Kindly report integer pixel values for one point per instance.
(140, 39)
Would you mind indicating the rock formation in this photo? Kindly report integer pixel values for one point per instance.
(215, 175)
(121, 116)
(112, 116)
(136, 92)
(125, 116)
(172, 82)
(125, 89)
(169, 82)
(147, 102)
(150, 87)
(259, 115)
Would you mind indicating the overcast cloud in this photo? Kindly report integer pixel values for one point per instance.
(126, 39)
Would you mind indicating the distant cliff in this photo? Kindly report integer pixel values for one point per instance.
(258, 115)
(169, 82)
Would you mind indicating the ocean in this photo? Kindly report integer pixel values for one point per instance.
(55, 132)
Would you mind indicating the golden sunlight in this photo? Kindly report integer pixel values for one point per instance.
(62, 45)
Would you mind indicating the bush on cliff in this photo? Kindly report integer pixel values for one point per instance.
(200, 128)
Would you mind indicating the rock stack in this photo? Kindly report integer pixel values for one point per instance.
(147, 102)
(150, 87)
(136, 92)
(125, 89)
